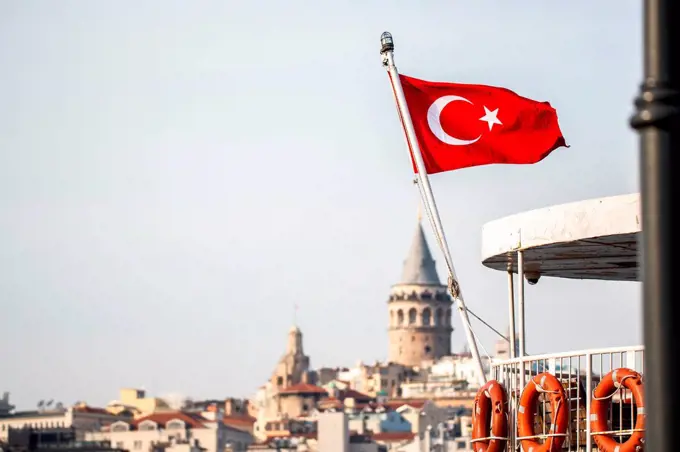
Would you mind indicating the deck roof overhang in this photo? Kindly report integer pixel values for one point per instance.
(593, 239)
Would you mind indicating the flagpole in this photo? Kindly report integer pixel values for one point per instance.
(387, 52)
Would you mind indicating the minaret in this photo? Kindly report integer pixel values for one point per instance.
(294, 365)
(294, 347)
(419, 309)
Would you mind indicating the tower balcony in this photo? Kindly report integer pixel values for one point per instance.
(424, 295)
(422, 328)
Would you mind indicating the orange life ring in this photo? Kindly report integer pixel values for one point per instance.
(490, 405)
(528, 404)
(599, 409)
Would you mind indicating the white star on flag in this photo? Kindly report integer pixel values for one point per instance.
(490, 117)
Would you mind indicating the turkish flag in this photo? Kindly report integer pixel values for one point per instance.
(460, 125)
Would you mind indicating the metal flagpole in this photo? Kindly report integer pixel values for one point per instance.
(511, 308)
(387, 52)
(658, 121)
(520, 302)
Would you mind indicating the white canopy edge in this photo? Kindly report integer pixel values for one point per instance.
(589, 239)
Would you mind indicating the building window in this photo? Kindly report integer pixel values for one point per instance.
(119, 445)
(400, 317)
(279, 381)
(175, 424)
(147, 425)
(120, 427)
(412, 315)
(137, 445)
(427, 317)
(439, 317)
(413, 338)
(428, 349)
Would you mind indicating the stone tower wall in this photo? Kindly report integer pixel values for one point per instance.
(419, 324)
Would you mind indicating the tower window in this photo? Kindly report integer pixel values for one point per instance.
(439, 318)
(412, 316)
(428, 349)
(427, 317)
(413, 338)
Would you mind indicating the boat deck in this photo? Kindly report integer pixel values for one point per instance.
(593, 239)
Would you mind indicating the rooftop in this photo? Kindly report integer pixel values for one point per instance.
(419, 266)
(193, 420)
(303, 388)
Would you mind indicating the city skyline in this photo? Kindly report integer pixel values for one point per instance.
(174, 181)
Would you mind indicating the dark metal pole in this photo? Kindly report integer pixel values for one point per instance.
(658, 121)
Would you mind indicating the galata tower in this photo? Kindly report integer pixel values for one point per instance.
(419, 309)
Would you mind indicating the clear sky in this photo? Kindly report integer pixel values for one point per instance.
(176, 175)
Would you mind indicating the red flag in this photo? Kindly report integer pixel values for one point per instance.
(460, 125)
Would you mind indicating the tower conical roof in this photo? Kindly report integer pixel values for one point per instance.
(419, 267)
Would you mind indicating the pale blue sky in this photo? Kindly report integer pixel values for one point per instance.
(176, 175)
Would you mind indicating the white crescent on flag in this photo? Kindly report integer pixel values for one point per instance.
(436, 126)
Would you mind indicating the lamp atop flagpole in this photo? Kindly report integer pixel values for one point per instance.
(387, 43)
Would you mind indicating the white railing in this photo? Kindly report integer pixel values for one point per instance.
(579, 373)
